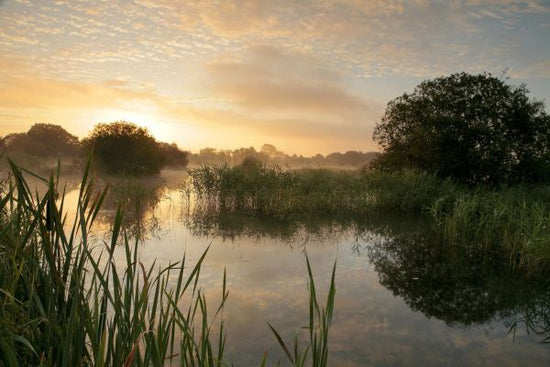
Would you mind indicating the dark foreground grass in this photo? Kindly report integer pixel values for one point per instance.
(512, 223)
(65, 301)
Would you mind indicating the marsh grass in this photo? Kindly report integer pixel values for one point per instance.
(510, 224)
(320, 319)
(64, 302)
(275, 191)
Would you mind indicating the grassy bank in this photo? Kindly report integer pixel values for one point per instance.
(68, 301)
(512, 223)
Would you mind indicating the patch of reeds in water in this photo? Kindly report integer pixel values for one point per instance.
(510, 223)
(275, 191)
(66, 301)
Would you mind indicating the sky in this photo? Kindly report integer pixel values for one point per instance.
(306, 76)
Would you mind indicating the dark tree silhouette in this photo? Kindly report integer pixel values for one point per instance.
(56, 140)
(474, 128)
(44, 140)
(172, 156)
(21, 142)
(124, 148)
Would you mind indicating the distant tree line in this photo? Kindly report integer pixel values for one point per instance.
(125, 148)
(268, 154)
(119, 148)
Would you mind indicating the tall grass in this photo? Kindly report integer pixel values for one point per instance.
(275, 191)
(512, 223)
(65, 303)
(320, 319)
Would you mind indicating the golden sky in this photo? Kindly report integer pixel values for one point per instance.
(306, 76)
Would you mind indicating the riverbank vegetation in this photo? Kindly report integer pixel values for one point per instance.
(67, 300)
(511, 223)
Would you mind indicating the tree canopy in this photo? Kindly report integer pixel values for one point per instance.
(44, 140)
(473, 128)
(125, 148)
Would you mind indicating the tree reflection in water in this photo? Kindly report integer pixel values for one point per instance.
(462, 289)
(137, 197)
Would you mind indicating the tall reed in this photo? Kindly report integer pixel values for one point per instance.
(320, 319)
(512, 223)
(66, 302)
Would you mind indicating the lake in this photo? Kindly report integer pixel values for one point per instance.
(400, 299)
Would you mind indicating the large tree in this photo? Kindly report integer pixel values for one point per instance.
(124, 148)
(474, 128)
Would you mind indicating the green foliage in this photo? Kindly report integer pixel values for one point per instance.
(512, 222)
(122, 148)
(63, 303)
(44, 140)
(277, 192)
(474, 128)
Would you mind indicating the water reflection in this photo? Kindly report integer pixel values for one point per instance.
(231, 225)
(138, 199)
(389, 277)
(461, 289)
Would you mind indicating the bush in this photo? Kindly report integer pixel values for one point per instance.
(124, 148)
(473, 128)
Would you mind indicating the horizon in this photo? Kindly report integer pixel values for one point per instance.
(258, 149)
(309, 77)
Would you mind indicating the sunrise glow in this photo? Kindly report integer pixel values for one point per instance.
(306, 76)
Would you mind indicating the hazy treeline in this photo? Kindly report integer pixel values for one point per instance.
(48, 142)
(268, 154)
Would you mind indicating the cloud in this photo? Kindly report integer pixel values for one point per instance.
(376, 37)
(24, 92)
(262, 67)
(271, 80)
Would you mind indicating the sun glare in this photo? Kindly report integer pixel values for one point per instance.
(144, 119)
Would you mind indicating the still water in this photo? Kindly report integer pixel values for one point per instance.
(399, 301)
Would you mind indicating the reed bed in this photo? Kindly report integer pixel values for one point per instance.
(65, 302)
(510, 223)
(68, 301)
(275, 191)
